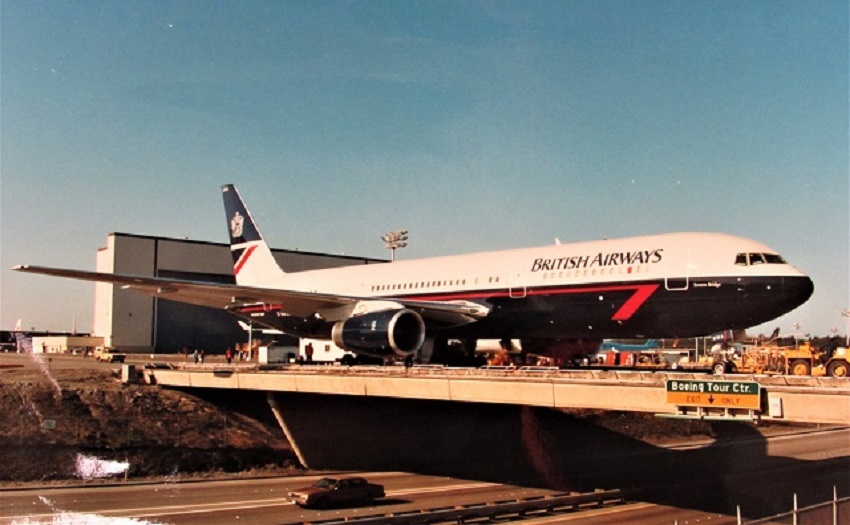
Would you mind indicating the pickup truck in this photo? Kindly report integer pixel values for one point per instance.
(108, 355)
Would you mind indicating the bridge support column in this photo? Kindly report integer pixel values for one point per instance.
(289, 436)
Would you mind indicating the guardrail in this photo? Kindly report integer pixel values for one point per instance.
(657, 377)
(646, 376)
(832, 512)
(491, 510)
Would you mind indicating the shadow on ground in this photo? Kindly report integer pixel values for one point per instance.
(548, 448)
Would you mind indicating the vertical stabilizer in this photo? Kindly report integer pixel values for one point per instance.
(253, 262)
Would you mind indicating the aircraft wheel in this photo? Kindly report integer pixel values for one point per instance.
(838, 369)
(800, 367)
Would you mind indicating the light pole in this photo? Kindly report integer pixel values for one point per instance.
(395, 240)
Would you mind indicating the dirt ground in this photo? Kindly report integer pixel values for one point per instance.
(54, 417)
(57, 415)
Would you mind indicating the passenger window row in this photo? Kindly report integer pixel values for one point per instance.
(425, 285)
(595, 272)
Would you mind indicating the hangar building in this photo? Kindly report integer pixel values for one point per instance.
(135, 322)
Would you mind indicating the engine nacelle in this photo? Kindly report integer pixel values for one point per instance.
(383, 334)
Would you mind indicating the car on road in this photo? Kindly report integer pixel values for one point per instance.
(330, 492)
(108, 355)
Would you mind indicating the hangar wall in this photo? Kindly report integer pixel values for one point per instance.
(135, 322)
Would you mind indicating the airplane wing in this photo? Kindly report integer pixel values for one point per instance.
(297, 303)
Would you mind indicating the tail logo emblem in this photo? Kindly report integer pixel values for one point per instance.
(236, 225)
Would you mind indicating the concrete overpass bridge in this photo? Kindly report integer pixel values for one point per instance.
(332, 414)
(782, 398)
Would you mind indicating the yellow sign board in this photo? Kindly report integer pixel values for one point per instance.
(714, 394)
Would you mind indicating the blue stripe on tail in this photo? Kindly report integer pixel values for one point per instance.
(240, 224)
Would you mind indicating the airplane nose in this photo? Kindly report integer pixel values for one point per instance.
(798, 290)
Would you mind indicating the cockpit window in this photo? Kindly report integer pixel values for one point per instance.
(749, 259)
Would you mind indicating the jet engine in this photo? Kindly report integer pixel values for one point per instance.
(386, 333)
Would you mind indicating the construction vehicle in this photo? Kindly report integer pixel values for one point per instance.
(831, 359)
(802, 360)
(839, 364)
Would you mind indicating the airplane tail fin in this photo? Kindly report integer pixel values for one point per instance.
(253, 262)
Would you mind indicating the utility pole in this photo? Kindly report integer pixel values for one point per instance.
(846, 313)
(395, 240)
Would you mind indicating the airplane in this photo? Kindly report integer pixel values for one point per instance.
(559, 300)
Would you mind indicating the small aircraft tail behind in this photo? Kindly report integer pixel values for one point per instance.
(253, 262)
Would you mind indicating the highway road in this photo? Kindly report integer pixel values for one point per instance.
(733, 474)
(249, 501)
(263, 501)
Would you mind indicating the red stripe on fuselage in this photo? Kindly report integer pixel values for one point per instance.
(625, 312)
(634, 302)
(642, 292)
(242, 260)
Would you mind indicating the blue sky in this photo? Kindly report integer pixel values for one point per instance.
(475, 125)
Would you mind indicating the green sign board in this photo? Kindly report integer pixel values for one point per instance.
(714, 394)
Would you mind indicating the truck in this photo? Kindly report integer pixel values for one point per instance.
(105, 354)
(277, 354)
(324, 351)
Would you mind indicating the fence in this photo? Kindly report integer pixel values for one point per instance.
(835, 512)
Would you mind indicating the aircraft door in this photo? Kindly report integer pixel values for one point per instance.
(677, 270)
(516, 287)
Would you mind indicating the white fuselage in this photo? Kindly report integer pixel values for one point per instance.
(666, 257)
